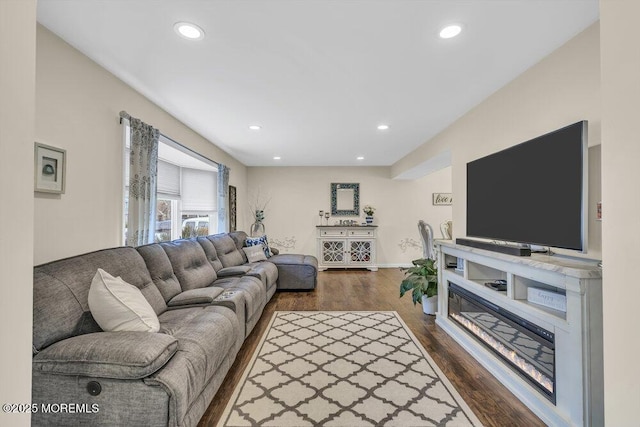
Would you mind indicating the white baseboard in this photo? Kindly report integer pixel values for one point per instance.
(364, 266)
(395, 265)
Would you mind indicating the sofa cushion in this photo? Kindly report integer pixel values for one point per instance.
(260, 241)
(118, 306)
(239, 238)
(160, 269)
(210, 252)
(227, 250)
(61, 289)
(123, 355)
(195, 296)
(208, 340)
(189, 263)
(267, 272)
(253, 290)
(255, 253)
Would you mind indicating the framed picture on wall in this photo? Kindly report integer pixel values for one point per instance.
(232, 208)
(442, 199)
(50, 164)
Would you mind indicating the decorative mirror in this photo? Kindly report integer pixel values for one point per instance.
(345, 199)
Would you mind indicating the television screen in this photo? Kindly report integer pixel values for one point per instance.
(533, 192)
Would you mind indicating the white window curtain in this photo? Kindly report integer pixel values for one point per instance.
(223, 198)
(143, 172)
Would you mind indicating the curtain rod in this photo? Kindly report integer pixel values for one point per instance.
(124, 115)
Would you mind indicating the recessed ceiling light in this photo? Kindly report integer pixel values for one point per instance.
(276, 157)
(450, 31)
(188, 30)
(360, 158)
(255, 127)
(383, 127)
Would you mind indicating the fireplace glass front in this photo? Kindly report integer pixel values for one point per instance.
(525, 347)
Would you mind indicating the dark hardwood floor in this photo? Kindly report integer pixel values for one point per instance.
(364, 290)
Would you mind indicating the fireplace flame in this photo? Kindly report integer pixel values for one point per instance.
(509, 354)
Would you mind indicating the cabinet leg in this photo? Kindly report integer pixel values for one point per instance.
(372, 268)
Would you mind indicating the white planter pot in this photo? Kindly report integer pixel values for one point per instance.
(430, 304)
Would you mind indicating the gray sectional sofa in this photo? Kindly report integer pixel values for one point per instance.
(207, 297)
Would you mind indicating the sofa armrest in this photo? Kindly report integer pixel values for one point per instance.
(119, 355)
(195, 296)
(238, 270)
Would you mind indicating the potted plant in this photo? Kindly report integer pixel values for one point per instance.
(369, 210)
(422, 281)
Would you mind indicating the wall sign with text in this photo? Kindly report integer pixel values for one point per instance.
(442, 199)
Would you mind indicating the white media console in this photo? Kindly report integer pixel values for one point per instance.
(571, 365)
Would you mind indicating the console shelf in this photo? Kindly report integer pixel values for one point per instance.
(577, 330)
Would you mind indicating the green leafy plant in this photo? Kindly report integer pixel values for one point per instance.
(369, 210)
(421, 279)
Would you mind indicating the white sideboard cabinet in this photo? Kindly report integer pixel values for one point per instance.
(347, 247)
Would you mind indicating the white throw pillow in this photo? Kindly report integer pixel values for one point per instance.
(119, 306)
(255, 253)
(262, 240)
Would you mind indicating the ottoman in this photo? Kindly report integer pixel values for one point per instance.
(295, 271)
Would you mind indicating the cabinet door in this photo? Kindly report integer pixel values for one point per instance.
(361, 251)
(333, 251)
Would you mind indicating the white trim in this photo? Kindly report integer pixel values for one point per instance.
(395, 265)
(123, 184)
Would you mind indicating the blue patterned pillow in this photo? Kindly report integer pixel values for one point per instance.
(262, 240)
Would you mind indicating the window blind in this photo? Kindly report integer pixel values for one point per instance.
(198, 192)
(168, 178)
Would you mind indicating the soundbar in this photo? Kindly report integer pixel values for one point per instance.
(510, 250)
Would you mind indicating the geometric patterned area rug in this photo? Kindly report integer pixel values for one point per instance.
(337, 368)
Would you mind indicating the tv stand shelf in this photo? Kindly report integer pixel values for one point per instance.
(577, 331)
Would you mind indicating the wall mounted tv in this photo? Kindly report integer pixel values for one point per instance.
(534, 192)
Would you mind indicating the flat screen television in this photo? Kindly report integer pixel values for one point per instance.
(534, 192)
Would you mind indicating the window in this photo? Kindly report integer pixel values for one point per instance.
(187, 187)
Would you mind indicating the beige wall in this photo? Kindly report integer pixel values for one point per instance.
(621, 204)
(298, 193)
(561, 89)
(77, 106)
(17, 110)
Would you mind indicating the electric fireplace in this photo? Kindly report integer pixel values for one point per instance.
(526, 348)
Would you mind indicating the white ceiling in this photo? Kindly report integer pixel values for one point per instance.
(317, 75)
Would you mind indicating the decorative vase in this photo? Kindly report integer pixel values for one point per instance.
(369, 219)
(430, 304)
(257, 229)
